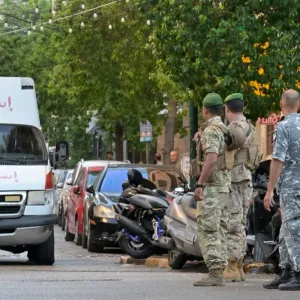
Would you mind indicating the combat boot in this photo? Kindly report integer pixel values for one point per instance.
(214, 278)
(285, 277)
(241, 270)
(292, 285)
(232, 273)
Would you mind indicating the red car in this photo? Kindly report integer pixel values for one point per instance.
(75, 204)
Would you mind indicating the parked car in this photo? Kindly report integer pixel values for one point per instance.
(87, 172)
(64, 191)
(99, 224)
(58, 188)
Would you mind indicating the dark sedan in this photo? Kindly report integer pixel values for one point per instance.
(100, 226)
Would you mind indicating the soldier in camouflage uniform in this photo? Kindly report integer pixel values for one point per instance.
(285, 166)
(240, 191)
(212, 193)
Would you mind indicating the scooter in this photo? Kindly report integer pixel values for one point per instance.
(181, 224)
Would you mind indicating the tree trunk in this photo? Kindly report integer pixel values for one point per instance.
(169, 131)
(119, 141)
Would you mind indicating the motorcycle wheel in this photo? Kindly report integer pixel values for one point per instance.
(135, 250)
(175, 260)
(258, 254)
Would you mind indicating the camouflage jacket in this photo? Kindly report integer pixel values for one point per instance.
(239, 172)
(212, 141)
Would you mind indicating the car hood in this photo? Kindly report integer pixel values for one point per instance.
(108, 200)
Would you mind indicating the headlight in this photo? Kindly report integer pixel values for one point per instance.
(40, 198)
(103, 212)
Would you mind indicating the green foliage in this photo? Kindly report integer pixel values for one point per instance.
(202, 44)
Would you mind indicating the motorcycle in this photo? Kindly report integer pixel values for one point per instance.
(139, 214)
(264, 226)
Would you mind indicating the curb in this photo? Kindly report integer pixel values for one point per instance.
(150, 262)
(162, 262)
(256, 267)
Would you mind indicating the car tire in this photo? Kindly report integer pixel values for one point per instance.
(59, 216)
(63, 220)
(141, 252)
(43, 254)
(78, 237)
(176, 261)
(84, 238)
(91, 246)
(69, 237)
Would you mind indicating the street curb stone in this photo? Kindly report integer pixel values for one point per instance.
(256, 267)
(151, 262)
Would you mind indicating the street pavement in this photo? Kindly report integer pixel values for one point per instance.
(78, 274)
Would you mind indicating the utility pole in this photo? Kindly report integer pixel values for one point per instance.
(193, 112)
(148, 148)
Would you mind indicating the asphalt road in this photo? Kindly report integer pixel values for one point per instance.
(78, 274)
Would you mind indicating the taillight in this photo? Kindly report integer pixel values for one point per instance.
(49, 181)
(170, 199)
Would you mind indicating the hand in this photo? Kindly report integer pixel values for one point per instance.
(198, 194)
(197, 136)
(268, 201)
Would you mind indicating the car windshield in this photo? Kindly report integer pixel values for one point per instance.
(91, 178)
(69, 175)
(20, 143)
(164, 179)
(62, 177)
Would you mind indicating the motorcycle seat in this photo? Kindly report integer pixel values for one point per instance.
(189, 205)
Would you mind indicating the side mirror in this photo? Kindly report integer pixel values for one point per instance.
(76, 189)
(90, 189)
(61, 151)
(59, 186)
(69, 181)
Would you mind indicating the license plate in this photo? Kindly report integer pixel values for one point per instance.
(12, 198)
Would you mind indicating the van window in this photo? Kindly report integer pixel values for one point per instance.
(22, 144)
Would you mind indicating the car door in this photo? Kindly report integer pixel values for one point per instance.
(74, 201)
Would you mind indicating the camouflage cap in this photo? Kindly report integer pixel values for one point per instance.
(212, 99)
(235, 96)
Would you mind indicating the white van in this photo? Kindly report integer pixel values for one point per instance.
(27, 208)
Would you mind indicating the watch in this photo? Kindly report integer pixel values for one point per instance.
(199, 186)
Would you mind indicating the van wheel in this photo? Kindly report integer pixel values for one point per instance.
(43, 254)
(91, 247)
(69, 237)
(175, 260)
(78, 237)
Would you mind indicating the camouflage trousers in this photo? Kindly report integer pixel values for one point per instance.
(212, 219)
(238, 206)
(289, 237)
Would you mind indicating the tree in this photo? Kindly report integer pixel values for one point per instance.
(202, 44)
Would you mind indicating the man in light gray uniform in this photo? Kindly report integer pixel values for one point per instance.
(285, 166)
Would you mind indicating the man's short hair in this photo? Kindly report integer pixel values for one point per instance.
(216, 110)
(235, 105)
(292, 98)
(109, 152)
